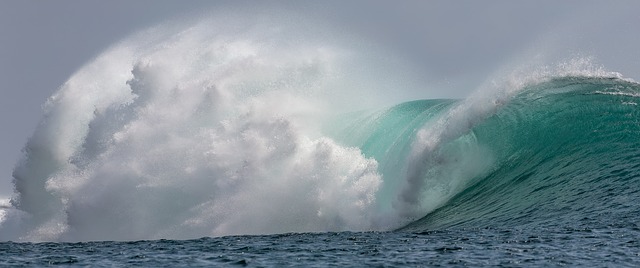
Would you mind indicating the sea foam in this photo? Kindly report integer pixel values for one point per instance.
(196, 131)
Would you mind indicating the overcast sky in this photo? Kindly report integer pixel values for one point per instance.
(458, 44)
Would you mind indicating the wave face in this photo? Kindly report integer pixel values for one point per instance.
(566, 152)
(198, 131)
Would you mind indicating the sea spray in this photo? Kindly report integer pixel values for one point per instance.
(195, 133)
(184, 132)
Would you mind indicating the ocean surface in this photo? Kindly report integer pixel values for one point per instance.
(610, 245)
(256, 148)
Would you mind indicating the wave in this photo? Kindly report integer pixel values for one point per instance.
(565, 151)
(203, 131)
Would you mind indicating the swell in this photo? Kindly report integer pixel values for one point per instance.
(566, 152)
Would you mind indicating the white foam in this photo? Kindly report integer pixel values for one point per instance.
(5, 204)
(198, 132)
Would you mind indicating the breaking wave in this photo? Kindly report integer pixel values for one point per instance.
(205, 130)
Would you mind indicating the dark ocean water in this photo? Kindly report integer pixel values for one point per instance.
(606, 246)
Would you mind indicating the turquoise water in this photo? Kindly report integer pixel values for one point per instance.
(567, 153)
(557, 153)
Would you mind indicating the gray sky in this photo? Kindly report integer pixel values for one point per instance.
(457, 44)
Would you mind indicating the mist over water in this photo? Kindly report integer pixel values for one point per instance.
(207, 129)
(225, 126)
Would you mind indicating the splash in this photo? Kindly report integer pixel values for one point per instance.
(236, 126)
(196, 131)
